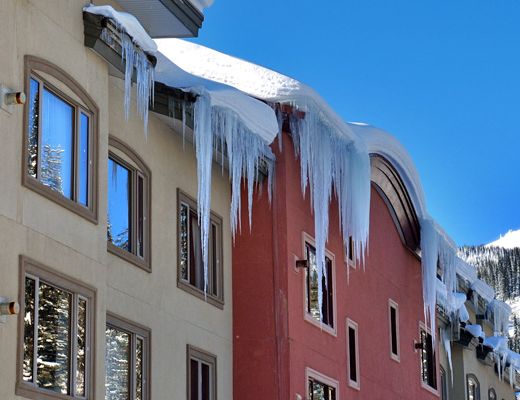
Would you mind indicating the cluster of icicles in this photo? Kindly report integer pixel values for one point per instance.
(134, 59)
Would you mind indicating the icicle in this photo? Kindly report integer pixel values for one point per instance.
(326, 161)
(204, 153)
(446, 341)
(429, 257)
(279, 119)
(213, 125)
(183, 104)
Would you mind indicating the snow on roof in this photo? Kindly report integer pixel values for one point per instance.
(475, 330)
(250, 78)
(128, 23)
(256, 115)
(484, 290)
(466, 271)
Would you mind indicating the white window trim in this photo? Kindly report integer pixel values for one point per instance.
(312, 373)
(422, 326)
(354, 384)
(306, 238)
(395, 306)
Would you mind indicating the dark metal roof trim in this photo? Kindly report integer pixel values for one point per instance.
(187, 13)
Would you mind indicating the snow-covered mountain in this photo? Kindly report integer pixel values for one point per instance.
(508, 241)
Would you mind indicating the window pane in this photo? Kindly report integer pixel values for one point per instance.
(194, 380)
(205, 384)
(312, 283)
(28, 342)
(56, 152)
(393, 329)
(214, 259)
(139, 369)
(318, 391)
(352, 354)
(32, 130)
(140, 216)
(81, 347)
(117, 363)
(183, 234)
(83, 160)
(54, 311)
(118, 230)
(196, 273)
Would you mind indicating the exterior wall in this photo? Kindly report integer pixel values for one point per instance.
(36, 227)
(465, 361)
(270, 332)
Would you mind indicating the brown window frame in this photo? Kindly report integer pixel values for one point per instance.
(474, 378)
(37, 271)
(32, 67)
(143, 172)
(135, 331)
(197, 354)
(216, 220)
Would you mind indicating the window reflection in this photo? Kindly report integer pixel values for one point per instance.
(118, 227)
(117, 361)
(327, 312)
(56, 144)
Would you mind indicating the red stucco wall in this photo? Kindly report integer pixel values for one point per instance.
(274, 344)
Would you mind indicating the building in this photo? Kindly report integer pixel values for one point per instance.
(121, 312)
(118, 235)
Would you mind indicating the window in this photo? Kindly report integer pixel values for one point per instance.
(492, 395)
(60, 138)
(56, 328)
(428, 363)
(393, 316)
(473, 387)
(190, 275)
(312, 287)
(353, 354)
(320, 387)
(127, 360)
(128, 216)
(351, 257)
(202, 375)
(444, 384)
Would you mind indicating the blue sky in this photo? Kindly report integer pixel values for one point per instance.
(442, 76)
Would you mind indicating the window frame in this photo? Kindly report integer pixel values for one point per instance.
(218, 300)
(425, 385)
(492, 390)
(307, 316)
(134, 330)
(350, 255)
(474, 378)
(394, 305)
(36, 270)
(200, 355)
(31, 67)
(355, 384)
(142, 170)
(311, 374)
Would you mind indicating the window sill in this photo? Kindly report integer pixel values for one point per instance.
(219, 303)
(45, 191)
(395, 358)
(320, 325)
(354, 385)
(30, 391)
(145, 264)
(429, 388)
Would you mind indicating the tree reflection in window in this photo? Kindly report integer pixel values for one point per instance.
(320, 391)
(312, 288)
(49, 343)
(119, 196)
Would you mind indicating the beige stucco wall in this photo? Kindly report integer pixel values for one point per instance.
(465, 361)
(36, 227)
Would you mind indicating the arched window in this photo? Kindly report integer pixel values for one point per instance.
(492, 395)
(128, 211)
(473, 387)
(444, 384)
(60, 138)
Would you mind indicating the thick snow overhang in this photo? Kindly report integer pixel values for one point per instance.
(168, 18)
